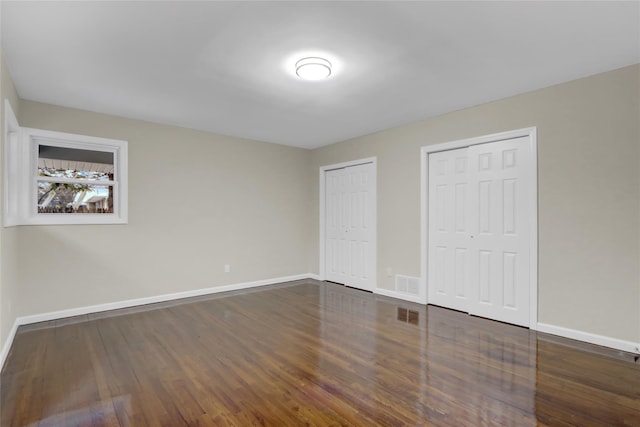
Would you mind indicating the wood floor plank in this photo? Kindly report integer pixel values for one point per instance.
(308, 353)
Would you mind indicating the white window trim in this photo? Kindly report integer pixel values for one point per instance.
(10, 167)
(21, 177)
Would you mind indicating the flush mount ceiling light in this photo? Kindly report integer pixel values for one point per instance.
(313, 68)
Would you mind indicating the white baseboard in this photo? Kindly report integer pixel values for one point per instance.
(399, 295)
(628, 346)
(7, 344)
(61, 314)
(602, 340)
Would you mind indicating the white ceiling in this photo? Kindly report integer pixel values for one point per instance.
(227, 67)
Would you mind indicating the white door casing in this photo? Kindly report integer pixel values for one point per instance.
(349, 225)
(479, 235)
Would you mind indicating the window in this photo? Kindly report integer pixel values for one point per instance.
(60, 178)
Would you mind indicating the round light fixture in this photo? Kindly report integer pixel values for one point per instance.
(313, 68)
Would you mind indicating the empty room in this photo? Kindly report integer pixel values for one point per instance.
(320, 213)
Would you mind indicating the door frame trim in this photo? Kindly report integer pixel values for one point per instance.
(374, 216)
(532, 175)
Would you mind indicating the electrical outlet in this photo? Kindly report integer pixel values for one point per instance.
(227, 268)
(389, 272)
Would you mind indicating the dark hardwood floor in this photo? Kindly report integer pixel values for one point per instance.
(308, 353)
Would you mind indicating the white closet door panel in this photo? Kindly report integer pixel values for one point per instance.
(334, 241)
(349, 226)
(449, 224)
(501, 236)
(360, 230)
(478, 259)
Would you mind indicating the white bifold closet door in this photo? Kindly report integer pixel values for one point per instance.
(478, 250)
(349, 226)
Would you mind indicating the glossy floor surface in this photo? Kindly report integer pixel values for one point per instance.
(308, 353)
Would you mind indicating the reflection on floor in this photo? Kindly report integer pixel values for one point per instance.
(308, 353)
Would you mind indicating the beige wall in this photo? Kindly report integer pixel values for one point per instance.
(8, 242)
(589, 194)
(197, 201)
(255, 206)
